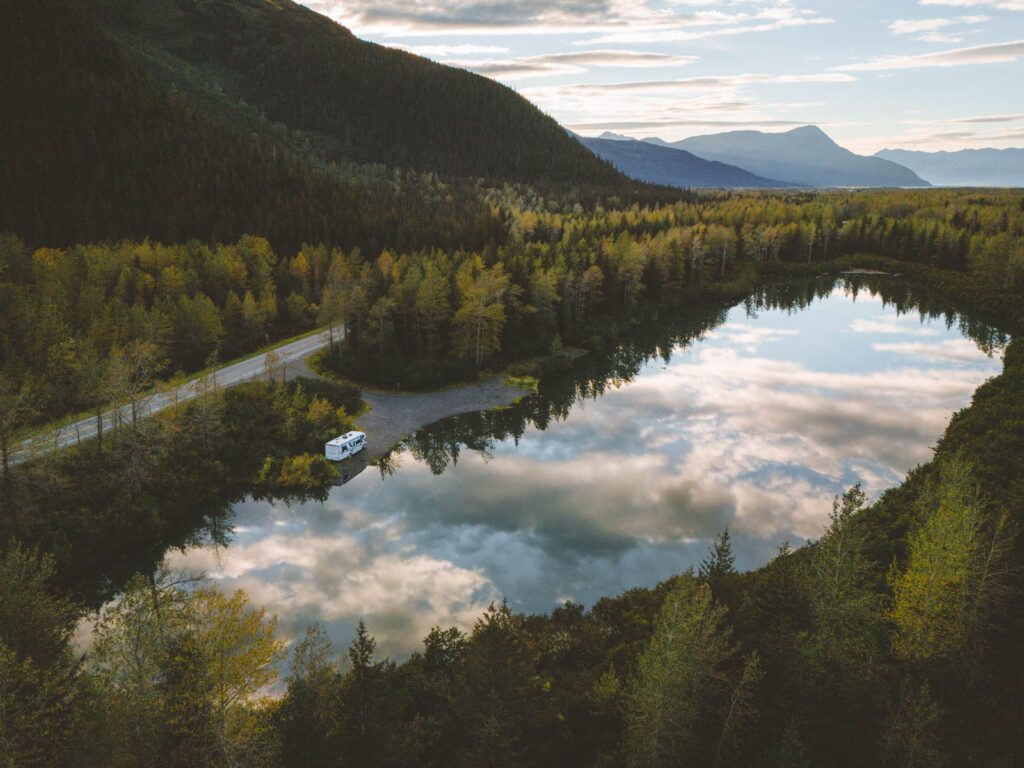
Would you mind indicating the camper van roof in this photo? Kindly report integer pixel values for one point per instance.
(347, 437)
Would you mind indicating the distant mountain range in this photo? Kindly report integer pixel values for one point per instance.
(965, 168)
(671, 167)
(804, 156)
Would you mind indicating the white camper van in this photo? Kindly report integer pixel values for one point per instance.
(342, 447)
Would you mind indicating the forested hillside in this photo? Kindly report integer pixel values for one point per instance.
(105, 134)
(92, 149)
(363, 102)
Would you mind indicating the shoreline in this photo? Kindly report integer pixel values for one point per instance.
(392, 417)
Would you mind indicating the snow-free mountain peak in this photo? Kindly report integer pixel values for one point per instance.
(803, 156)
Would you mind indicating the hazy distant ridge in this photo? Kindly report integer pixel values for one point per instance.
(964, 168)
(803, 156)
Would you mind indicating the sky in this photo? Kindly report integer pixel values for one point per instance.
(913, 74)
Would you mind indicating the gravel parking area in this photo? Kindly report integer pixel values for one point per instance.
(393, 417)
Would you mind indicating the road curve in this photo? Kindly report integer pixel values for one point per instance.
(235, 373)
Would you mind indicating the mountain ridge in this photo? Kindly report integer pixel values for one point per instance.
(803, 156)
(106, 132)
(670, 166)
(356, 100)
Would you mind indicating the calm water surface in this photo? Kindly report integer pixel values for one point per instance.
(618, 475)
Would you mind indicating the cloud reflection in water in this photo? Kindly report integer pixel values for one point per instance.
(756, 427)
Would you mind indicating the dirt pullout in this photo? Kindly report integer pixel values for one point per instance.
(393, 417)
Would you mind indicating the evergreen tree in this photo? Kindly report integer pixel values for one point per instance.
(37, 667)
(956, 572)
(841, 662)
(308, 719)
(481, 315)
(914, 738)
(718, 567)
(680, 681)
(360, 734)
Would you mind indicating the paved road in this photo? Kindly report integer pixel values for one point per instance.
(229, 375)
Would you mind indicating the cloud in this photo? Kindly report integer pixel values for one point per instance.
(708, 82)
(507, 40)
(1002, 5)
(426, 17)
(891, 325)
(684, 35)
(943, 136)
(602, 25)
(989, 119)
(955, 350)
(647, 105)
(302, 578)
(649, 20)
(581, 502)
(718, 418)
(959, 133)
(753, 337)
(648, 125)
(931, 30)
(736, 435)
(992, 53)
(572, 62)
(979, 119)
(445, 51)
(1006, 136)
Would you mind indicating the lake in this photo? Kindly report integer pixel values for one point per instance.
(620, 473)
